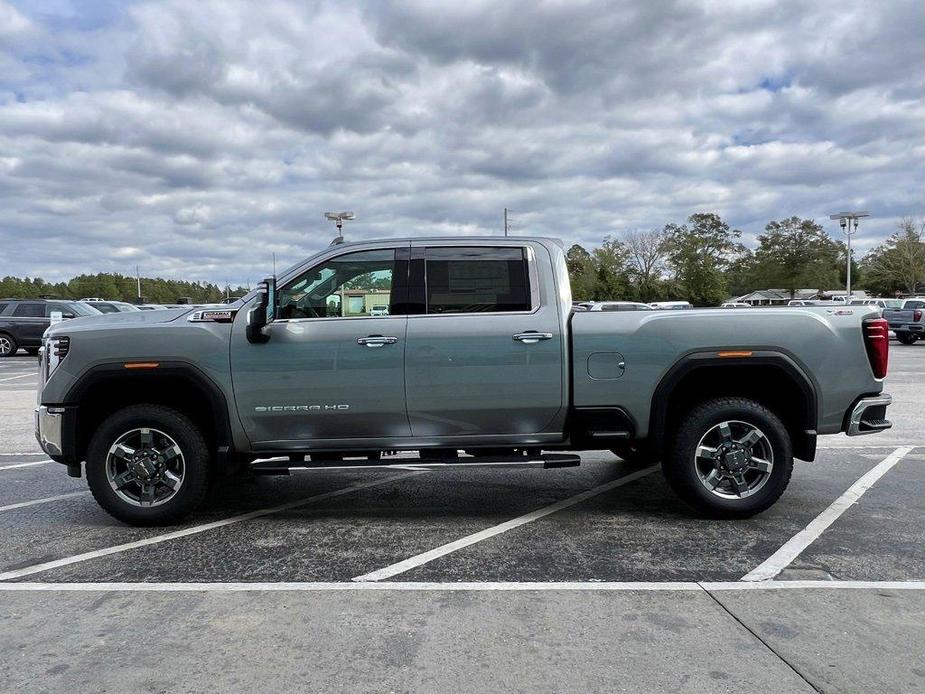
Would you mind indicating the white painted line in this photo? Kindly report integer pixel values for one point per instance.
(19, 465)
(46, 500)
(802, 585)
(194, 530)
(443, 550)
(791, 549)
(11, 378)
(488, 586)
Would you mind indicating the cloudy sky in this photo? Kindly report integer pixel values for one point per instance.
(195, 138)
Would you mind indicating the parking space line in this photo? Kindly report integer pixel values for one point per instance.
(4, 380)
(46, 500)
(450, 547)
(19, 465)
(487, 586)
(791, 549)
(194, 530)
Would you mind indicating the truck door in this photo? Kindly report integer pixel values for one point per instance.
(485, 352)
(331, 370)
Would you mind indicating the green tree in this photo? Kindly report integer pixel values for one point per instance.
(580, 272)
(611, 276)
(699, 253)
(796, 253)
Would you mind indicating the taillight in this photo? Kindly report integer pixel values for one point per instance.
(877, 342)
(917, 315)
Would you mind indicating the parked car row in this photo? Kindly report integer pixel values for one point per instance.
(23, 321)
(629, 305)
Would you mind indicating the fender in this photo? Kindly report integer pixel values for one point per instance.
(809, 413)
(184, 371)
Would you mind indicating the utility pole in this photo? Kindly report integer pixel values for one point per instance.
(505, 222)
(845, 221)
(137, 282)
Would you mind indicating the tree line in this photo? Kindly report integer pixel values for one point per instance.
(704, 261)
(116, 287)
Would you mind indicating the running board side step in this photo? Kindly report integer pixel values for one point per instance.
(547, 461)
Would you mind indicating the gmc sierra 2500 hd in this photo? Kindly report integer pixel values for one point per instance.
(479, 352)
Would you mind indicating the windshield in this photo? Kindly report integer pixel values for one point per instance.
(82, 309)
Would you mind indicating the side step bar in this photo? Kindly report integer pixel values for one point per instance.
(546, 461)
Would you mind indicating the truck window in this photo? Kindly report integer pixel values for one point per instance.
(476, 280)
(31, 310)
(347, 286)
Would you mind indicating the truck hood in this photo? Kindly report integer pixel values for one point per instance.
(108, 321)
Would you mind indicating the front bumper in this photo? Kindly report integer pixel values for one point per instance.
(869, 415)
(49, 423)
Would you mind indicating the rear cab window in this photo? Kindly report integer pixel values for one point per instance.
(461, 279)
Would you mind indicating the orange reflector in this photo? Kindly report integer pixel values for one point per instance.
(141, 365)
(733, 354)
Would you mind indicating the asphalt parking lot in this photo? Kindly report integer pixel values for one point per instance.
(591, 578)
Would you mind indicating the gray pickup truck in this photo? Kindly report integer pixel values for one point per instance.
(479, 359)
(907, 322)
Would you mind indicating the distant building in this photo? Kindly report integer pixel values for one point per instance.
(361, 302)
(780, 297)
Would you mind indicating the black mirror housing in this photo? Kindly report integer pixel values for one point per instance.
(263, 313)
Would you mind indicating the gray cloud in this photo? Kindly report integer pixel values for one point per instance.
(197, 139)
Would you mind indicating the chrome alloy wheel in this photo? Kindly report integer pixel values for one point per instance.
(734, 459)
(6, 346)
(145, 467)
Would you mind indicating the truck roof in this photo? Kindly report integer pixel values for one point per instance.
(466, 239)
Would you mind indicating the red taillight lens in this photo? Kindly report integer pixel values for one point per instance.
(877, 341)
(917, 315)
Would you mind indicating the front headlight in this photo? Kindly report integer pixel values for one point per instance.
(55, 351)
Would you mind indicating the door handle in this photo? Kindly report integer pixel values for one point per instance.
(531, 337)
(374, 341)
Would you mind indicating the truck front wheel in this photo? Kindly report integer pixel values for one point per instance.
(729, 458)
(148, 465)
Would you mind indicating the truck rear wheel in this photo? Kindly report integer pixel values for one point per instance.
(729, 458)
(906, 338)
(148, 465)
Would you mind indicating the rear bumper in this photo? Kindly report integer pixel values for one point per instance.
(868, 416)
(908, 327)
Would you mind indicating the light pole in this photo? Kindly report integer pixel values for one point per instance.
(846, 220)
(339, 218)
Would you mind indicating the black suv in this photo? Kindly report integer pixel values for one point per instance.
(23, 321)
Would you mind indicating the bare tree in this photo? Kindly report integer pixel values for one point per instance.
(646, 256)
(899, 262)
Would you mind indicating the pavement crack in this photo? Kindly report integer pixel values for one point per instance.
(767, 645)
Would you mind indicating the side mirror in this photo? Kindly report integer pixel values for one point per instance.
(67, 315)
(263, 313)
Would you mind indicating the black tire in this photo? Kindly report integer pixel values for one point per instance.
(681, 468)
(195, 453)
(8, 345)
(633, 453)
(906, 338)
